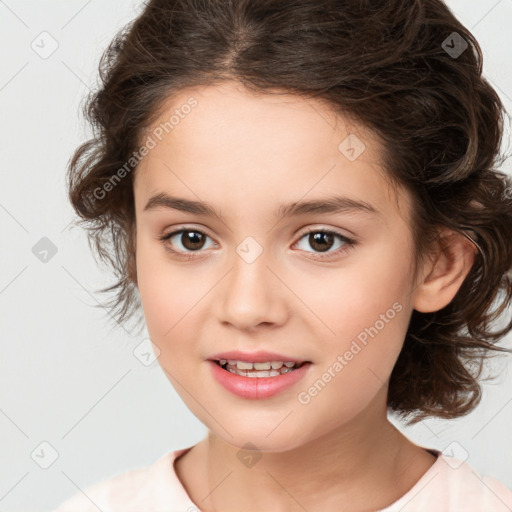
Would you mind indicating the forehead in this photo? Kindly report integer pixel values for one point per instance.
(234, 143)
(228, 112)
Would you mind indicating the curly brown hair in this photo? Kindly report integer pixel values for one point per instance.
(407, 69)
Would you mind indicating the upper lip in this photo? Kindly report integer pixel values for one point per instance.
(261, 356)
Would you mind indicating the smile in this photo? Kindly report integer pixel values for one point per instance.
(252, 383)
(259, 370)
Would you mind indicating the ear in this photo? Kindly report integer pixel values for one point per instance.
(444, 273)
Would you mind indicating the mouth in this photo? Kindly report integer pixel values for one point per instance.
(259, 370)
(259, 375)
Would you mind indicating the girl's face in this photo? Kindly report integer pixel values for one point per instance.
(256, 280)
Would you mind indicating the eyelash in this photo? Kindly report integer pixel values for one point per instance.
(349, 242)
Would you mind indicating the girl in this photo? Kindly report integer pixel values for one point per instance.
(305, 197)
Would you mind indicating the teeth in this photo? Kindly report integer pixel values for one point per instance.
(275, 365)
(265, 369)
(262, 366)
(258, 374)
(242, 365)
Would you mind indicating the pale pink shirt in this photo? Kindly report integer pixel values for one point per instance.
(450, 485)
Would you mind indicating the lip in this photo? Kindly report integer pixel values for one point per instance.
(261, 356)
(257, 387)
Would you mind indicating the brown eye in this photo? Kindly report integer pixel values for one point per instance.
(192, 240)
(321, 241)
(185, 240)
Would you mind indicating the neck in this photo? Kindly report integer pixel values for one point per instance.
(366, 463)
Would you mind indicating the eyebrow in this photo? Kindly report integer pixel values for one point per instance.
(333, 204)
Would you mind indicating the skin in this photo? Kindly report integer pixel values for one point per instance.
(247, 154)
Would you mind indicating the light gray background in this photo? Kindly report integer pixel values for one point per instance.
(68, 378)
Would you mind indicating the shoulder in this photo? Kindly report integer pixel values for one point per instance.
(149, 488)
(453, 485)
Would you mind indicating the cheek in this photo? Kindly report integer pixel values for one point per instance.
(352, 298)
(166, 293)
(364, 312)
(168, 302)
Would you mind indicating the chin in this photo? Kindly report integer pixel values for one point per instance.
(260, 441)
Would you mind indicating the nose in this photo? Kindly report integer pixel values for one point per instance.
(252, 294)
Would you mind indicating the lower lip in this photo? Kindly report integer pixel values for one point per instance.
(257, 387)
